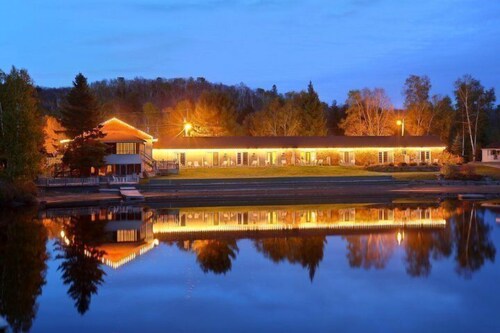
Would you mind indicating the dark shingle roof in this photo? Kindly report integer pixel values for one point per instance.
(224, 142)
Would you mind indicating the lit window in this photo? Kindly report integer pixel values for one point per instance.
(126, 148)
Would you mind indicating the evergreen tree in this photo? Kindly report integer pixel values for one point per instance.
(80, 112)
(313, 120)
(21, 127)
(80, 116)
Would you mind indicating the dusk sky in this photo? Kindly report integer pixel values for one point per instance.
(337, 44)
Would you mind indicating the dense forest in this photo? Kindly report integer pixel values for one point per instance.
(465, 121)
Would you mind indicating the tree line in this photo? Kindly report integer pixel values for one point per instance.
(466, 121)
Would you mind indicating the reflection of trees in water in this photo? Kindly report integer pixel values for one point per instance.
(472, 237)
(420, 245)
(22, 267)
(215, 255)
(370, 251)
(466, 233)
(81, 259)
(306, 251)
(212, 255)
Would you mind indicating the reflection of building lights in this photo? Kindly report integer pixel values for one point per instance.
(63, 234)
(400, 236)
(156, 242)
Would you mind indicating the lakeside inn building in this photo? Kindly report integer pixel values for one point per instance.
(133, 152)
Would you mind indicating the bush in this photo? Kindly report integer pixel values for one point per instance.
(449, 171)
(17, 193)
(413, 164)
(403, 164)
(423, 163)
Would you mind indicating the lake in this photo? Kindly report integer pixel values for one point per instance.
(397, 266)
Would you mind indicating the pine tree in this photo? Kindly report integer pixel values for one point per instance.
(21, 127)
(80, 112)
(81, 118)
(312, 112)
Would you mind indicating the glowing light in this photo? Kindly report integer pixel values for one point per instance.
(63, 234)
(399, 122)
(187, 128)
(400, 236)
(156, 242)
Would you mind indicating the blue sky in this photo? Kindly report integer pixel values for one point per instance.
(337, 44)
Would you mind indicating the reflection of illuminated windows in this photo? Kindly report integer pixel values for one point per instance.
(308, 216)
(242, 218)
(427, 214)
(271, 217)
(126, 236)
(347, 215)
(385, 214)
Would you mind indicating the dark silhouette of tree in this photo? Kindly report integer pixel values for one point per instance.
(472, 237)
(81, 259)
(306, 251)
(21, 127)
(22, 267)
(80, 111)
(421, 246)
(215, 255)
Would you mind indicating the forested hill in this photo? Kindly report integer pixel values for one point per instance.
(150, 103)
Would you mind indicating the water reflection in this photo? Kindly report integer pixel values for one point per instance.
(306, 251)
(473, 244)
(88, 240)
(22, 267)
(81, 258)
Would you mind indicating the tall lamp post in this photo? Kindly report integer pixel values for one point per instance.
(402, 124)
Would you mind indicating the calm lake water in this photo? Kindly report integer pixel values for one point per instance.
(396, 267)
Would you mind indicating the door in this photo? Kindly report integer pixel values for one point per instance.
(215, 159)
(308, 157)
(245, 158)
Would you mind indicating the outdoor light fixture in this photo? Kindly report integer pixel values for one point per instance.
(402, 124)
(187, 128)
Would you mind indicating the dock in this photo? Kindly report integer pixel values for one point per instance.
(131, 194)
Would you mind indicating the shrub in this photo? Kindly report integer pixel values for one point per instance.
(449, 171)
(15, 193)
(413, 164)
(403, 164)
(423, 163)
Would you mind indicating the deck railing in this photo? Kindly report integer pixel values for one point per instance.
(65, 182)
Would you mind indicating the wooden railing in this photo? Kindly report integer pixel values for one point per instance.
(65, 182)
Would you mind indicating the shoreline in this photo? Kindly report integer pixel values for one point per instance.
(255, 192)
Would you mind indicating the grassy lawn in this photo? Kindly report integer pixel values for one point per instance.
(312, 171)
(289, 171)
(488, 171)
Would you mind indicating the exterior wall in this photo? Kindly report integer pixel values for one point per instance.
(300, 156)
(491, 155)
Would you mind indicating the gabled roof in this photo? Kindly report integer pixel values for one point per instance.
(117, 130)
(249, 142)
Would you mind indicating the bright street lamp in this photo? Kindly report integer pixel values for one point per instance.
(187, 128)
(402, 124)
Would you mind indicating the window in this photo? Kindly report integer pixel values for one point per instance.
(242, 158)
(425, 156)
(126, 148)
(385, 157)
